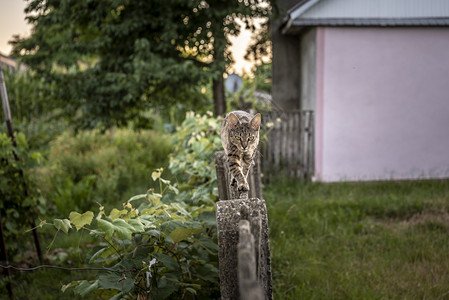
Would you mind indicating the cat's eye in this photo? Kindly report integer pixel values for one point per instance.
(237, 137)
(251, 138)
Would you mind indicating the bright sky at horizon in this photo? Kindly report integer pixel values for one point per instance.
(12, 22)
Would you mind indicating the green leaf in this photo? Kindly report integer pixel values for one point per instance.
(137, 225)
(207, 272)
(167, 261)
(191, 290)
(79, 220)
(123, 229)
(164, 181)
(107, 227)
(63, 225)
(97, 254)
(137, 197)
(166, 286)
(109, 253)
(173, 189)
(180, 209)
(181, 233)
(207, 243)
(118, 226)
(154, 198)
(85, 287)
(153, 232)
(208, 218)
(115, 213)
(69, 285)
(156, 174)
(116, 281)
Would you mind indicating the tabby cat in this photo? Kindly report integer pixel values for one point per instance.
(240, 138)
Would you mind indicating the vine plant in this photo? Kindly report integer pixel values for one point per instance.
(153, 247)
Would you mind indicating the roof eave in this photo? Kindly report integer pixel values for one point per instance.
(297, 25)
(294, 12)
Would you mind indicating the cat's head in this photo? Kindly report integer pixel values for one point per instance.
(244, 135)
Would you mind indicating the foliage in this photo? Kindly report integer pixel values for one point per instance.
(153, 247)
(30, 97)
(33, 103)
(157, 245)
(373, 240)
(18, 191)
(113, 59)
(262, 77)
(259, 48)
(255, 91)
(192, 162)
(93, 167)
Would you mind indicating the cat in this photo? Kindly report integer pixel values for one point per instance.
(240, 139)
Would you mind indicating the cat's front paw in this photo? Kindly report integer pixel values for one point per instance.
(243, 187)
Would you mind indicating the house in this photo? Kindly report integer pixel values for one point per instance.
(376, 75)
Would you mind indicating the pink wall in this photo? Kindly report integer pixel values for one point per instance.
(382, 103)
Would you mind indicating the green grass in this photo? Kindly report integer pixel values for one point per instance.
(382, 240)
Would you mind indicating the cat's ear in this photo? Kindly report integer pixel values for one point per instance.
(255, 122)
(233, 121)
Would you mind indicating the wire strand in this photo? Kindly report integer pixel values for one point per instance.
(62, 268)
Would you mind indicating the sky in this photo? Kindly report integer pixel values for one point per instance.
(12, 22)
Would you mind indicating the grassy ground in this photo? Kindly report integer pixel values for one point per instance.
(386, 240)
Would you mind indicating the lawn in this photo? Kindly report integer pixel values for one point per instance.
(381, 240)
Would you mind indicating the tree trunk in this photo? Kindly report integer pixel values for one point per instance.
(219, 96)
(219, 66)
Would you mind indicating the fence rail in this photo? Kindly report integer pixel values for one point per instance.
(289, 146)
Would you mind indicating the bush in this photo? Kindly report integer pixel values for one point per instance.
(100, 167)
(18, 191)
(192, 161)
(161, 244)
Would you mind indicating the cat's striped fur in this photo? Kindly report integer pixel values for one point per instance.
(240, 138)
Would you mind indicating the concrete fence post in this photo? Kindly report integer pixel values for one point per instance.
(243, 239)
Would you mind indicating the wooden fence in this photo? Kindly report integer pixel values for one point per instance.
(288, 146)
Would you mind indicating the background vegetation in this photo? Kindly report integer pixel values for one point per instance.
(114, 164)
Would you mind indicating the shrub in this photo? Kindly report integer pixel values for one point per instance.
(161, 244)
(100, 167)
(192, 161)
(18, 191)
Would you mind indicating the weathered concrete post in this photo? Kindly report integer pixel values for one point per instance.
(222, 179)
(237, 221)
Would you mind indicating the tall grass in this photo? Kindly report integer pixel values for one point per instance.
(93, 167)
(384, 240)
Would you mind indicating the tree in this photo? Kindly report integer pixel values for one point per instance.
(260, 45)
(113, 59)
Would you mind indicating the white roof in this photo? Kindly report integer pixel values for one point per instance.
(368, 13)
